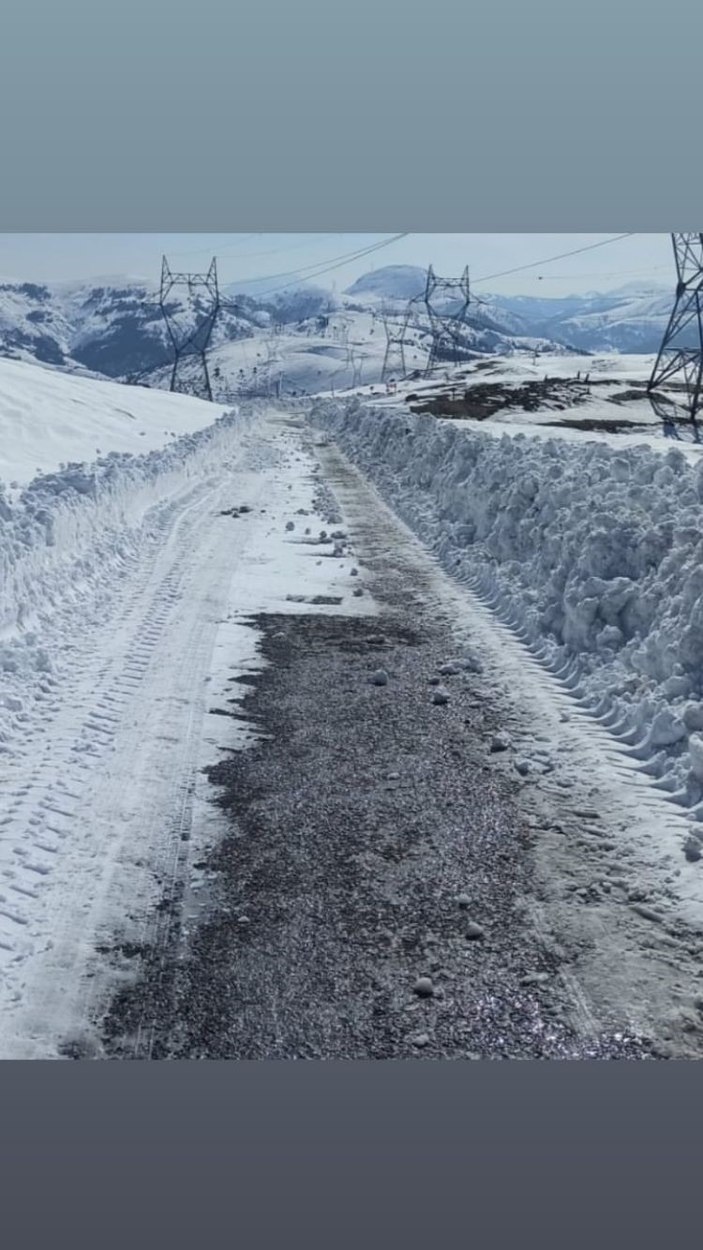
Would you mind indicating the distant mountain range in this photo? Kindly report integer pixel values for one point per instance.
(631, 319)
(113, 327)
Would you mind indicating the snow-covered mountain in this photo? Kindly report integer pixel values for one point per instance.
(33, 325)
(631, 319)
(112, 326)
(628, 320)
(283, 304)
(395, 282)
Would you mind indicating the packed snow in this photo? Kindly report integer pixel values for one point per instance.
(592, 553)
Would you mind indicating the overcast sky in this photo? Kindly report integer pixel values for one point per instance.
(640, 258)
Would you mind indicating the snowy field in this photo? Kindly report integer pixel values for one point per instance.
(592, 553)
(307, 360)
(576, 415)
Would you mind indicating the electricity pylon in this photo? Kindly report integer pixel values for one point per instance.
(191, 342)
(681, 353)
(446, 303)
(394, 357)
(357, 365)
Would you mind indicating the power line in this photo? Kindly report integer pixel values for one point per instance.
(327, 267)
(338, 263)
(320, 264)
(277, 251)
(206, 251)
(536, 264)
(621, 273)
(240, 252)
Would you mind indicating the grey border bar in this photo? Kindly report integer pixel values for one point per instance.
(360, 1154)
(370, 117)
(374, 117)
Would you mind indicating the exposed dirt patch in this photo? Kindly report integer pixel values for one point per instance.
(488, 398)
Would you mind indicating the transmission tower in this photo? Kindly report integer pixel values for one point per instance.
(396, 333)
(190, 342)
(446, 303)
(340, 329)
(357, 365)
(268, 376)
(681, 353)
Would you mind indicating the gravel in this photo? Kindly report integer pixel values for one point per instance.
(356, 884)
(353, 882)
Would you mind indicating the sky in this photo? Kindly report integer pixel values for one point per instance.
(289, 258)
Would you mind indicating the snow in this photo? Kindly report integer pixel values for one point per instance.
(592, 553)
(48, 419)
(610, 374)
(127, 593)
(309, 360)
(129, 580)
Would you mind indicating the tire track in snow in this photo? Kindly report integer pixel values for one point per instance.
(509, 648)
(621, 957)
(63, 819)
(44, 807)
(102, 818)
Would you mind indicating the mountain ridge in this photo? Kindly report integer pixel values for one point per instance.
(112, 326)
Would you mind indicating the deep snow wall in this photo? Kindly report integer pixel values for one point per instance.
(594, 555)
(72, 537)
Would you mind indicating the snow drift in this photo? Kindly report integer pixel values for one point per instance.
(593, 554)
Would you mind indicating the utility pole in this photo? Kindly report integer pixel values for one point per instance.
(190, 342)
(680, 359)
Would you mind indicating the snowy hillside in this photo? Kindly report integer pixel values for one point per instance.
(395, 282)
(48, 419)
(33, 325)
(315, 355)
(335, 352)
(631, 319)
(113, 326)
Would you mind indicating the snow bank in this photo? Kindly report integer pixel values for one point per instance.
(593, 554)
(71, 536)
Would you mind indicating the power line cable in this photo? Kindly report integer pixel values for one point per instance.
(207, 251)
(337, 263)
(537, 264)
